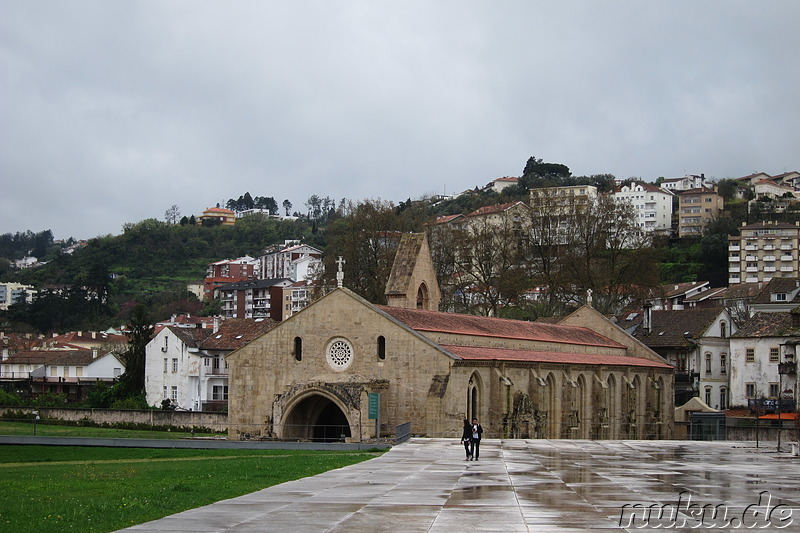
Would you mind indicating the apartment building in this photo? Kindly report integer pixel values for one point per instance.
(763, 251)
(653, 205)
(11, 293)
(696, 208)
(229, 271)
(686, 183)
(291, 260)
(563, 200)
(253, 298)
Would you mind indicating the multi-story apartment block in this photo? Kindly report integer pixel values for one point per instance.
(229, 271)
(653, 205)
(296, 297)
(763, 251)
(262, 298)
(11, 293)
(291, 260)
(697, 207)
(563, 200)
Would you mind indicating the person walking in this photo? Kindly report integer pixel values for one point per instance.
(466, 438)
(475, 440)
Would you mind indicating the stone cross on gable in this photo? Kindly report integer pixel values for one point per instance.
(589, 297)
(340, 273)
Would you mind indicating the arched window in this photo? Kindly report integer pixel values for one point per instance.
(723, 363)
(381, 347)
(708, 396)
(422, 297)
(723, 398)
(298, 348)
(723, 329)
(708, 363)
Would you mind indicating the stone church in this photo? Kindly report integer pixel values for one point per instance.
(311, 377)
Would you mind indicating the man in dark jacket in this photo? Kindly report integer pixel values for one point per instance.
(475, 442)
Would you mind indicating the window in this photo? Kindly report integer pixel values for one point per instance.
(174, 364)
(708, 395)
(220, 392)
(773, 390)
(723, 398)
(723, 363)
(165, 365)
(723, 329)
(708, 364)
(381, 347)
(216, 363)
(206, 361)
(749, 355)
(780, 297)
(174, 393)
(165, 392)
(298, 348)
(774, 354)
(117, 372)
(750, 390)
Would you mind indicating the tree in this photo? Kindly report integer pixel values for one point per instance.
(287, 206)
(540, 174)
(172, 214)
(728, 189)
(140, 332)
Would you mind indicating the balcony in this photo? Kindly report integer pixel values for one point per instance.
(769, 258)
(787, 258)
(750, 258)
(734, 258)
(734, 279)
(768, 247)
(734, 268)
(751, 269)
(770, 269)
(786, 247)
(751, 247)
(734, 248)
(787, 269)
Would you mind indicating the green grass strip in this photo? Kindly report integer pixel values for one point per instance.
(76, 489)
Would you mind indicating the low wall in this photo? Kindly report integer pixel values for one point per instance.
(214, 421)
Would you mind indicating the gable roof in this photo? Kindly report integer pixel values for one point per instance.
(675, 328)
(236, 332)
(405, 260)
(478, 326)
(45, 357)
(498, 208)
(768, 325)
(779, 286)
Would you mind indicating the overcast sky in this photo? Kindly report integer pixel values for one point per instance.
(111, 112)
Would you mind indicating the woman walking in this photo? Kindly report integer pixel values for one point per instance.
(466, 438)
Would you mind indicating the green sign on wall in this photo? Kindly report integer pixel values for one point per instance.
(374, 405)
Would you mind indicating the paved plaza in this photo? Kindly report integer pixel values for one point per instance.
(525, 485)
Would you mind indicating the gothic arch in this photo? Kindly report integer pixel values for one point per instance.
(423, 297)
(474, 394)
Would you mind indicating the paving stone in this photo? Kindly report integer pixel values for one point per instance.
(522, 485)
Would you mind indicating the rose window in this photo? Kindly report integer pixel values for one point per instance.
(340, 354)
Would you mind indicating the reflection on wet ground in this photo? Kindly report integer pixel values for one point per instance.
(526, 485)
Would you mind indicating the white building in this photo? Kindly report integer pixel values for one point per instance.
(188, 368)
(688, 182)
(11, 293)
(653, 205)
(292, 260)
(764, 362)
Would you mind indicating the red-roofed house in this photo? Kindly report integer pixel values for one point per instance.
(217, 215)
(311, 377)
(653, 205)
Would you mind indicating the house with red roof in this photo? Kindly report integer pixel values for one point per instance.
(345, 368)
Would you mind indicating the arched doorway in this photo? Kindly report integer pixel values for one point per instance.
(316, 418)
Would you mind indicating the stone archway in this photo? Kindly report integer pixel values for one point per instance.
(316, 418)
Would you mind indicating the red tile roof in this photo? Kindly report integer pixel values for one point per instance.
(480, 353)
(489, 209)
(479, 326)
(236, 332)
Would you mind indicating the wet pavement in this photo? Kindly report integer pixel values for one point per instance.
(525, 485)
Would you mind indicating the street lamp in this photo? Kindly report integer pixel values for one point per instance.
(36, 417)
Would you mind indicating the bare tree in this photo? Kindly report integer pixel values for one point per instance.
(173, 214)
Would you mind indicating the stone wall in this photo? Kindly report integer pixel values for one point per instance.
(188, 419)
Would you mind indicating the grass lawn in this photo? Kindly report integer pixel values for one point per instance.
(70, 488)
(25, 427)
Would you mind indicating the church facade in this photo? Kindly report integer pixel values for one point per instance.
(311, 377)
